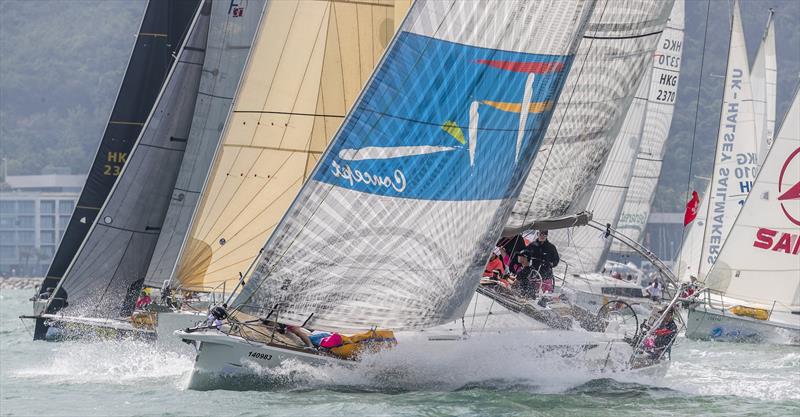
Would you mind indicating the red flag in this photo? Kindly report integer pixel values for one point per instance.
(691, 209)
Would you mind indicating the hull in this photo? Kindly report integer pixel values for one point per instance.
(231, 362)
(704, 323)
(57, 327)
(170, 321)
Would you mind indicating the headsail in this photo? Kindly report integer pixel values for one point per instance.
(163, 28)
(308, 64)
(110, 265)
(735, 164)
(660, 107)
(760, 260)
(230, 37)
(764, 77)
(614, 54)
(393, 227)
(687, 263)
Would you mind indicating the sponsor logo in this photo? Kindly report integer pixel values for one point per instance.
(789, 199)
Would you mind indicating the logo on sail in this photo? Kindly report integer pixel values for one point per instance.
(418, 128)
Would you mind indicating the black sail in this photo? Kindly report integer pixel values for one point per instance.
(109, 268)
(162, 31)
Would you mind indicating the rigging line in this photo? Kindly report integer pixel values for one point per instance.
(566, 112)
(289, 113)
(624, 37)
(155, 232)
(694, 135)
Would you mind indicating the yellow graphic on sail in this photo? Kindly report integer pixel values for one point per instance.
(455, 131)
(536, 107)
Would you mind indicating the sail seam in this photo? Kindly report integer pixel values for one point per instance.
(129, 230)
(160, 147)
(288, 113)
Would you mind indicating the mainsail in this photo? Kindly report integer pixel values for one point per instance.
(764, 76)
(760, 260)
(735, 164)
(109, 268)
(231, 34)
(163, 27)
(584, 248)
(613, 56)
(660, 107)
(393, 227)
(308, 64)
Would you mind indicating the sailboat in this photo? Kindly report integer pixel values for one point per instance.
(101, 284)
(163, 28)
(754, 286)
(391, 227)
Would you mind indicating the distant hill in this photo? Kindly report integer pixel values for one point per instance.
(62, 62)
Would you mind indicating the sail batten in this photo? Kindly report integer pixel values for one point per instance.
(392, 226)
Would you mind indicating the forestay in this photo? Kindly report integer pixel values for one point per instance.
(393, 227)
(231, 34)
(735, 163)
(308, 64)
(163, 27)
(660, 108)
(764, 76)
(614, 54)
(760, 260)
(107, 272)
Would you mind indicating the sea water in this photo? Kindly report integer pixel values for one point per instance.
(106, 378)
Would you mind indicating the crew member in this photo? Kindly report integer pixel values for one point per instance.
(544, 257)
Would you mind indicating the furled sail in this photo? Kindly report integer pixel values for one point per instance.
(308, 64)
(164, 25)
(764, 77)
(660, 107)
(109, 269)
(614, 54)
(760, 260)
(231, 34)
(393, 227)
(584, 248)
(735, 164)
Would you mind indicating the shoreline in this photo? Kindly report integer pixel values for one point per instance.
(19, 283)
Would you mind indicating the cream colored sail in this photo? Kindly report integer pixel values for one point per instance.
(764, 76)
(735, 164)
(306, 69)
(760, 261)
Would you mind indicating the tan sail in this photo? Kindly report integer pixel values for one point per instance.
(306, 69)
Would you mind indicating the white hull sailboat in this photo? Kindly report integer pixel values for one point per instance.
(753, 292)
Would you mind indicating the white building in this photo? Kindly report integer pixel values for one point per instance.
(34, 211)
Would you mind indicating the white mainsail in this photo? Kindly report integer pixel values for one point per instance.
(104, 278)
(583, 248)
(764, 77)
(760, 261)
(660, 107)
(735, 164)
(400, 240)
(230, 36)
(613, 56)
(306, 68)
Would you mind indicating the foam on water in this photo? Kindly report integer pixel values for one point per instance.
(106, 362)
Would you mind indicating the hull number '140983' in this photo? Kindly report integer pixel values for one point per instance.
(259, 355)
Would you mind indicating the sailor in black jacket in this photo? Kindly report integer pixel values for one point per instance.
(544, 257)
